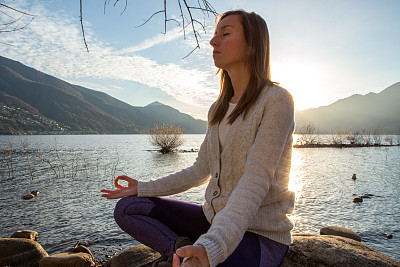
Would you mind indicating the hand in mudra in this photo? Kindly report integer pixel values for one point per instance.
(196, 254)
(122, 191)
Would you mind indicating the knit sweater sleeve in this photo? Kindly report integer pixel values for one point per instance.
(193, 176)
(230, 224)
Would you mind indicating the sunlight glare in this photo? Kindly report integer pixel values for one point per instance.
(304, 79)
(295, 179)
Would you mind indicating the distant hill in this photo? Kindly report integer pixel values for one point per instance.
(358, 112)
(77, 108)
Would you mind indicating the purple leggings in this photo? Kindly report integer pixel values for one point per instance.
(159, 222)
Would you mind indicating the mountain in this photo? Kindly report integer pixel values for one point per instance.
(76, 108)
(358, 112)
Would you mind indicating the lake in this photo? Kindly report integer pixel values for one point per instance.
(70, 170)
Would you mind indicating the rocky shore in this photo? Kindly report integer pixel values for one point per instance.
(334, 247)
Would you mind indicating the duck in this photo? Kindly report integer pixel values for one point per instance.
(35, 193)
(354, 177)
(28, 196)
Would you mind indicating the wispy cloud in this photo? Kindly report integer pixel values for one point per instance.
(156, 40)
(53, 44)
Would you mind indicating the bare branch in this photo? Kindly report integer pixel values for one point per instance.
(155, 13)
(186, 17)
(15, 17)
(16, 10)
(165, 16)
(83, 30)
(197, 47)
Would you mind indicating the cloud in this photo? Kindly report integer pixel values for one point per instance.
(156, 40)
(53, 44)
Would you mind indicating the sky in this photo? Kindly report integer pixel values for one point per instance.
(321, 51)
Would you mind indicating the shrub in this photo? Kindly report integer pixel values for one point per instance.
(167, 137)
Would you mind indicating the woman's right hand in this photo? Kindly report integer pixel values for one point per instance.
(122, 191)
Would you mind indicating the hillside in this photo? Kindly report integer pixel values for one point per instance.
(79, 109)
(358, 112)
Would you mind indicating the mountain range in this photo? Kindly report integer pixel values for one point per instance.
(357, 112)
(76, 108)
(34, 102)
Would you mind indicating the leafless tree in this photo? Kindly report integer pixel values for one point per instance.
(167, 137)
(389, 139)
(337, 137)
(354, 137)
(13, 20)
(377, 137)
(307, 134)
(187, 11)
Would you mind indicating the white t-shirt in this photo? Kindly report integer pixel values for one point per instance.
(224, 126)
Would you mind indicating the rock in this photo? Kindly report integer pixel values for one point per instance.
(357, 199)
(340, 231)
(79, 249)
(20, 252)
(28, 234)
(68, 259)
(139, 256)
(28, 196)
(333, 251)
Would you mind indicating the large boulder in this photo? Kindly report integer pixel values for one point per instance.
(20, 252)
(333, 251)
(340, 231)
(139, 256)
(68, 259)
(77, 255)
(28, 234)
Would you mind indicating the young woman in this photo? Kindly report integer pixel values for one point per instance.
(245, 159)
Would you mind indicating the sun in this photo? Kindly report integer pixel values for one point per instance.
(305, 80)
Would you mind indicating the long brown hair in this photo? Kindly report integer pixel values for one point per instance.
(257, 38)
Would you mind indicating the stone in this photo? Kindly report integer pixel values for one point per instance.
(340, 231)
(334, 251)
(138, 256)
(28, 234)
(68, 259)
(20, 252)
(79, 249)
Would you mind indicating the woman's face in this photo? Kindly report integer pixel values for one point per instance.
(229, 43)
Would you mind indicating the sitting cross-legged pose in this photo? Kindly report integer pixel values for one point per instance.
(245, 159)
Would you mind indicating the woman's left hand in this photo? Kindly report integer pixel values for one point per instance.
(197, 256)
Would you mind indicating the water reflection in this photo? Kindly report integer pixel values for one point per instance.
(70, 208)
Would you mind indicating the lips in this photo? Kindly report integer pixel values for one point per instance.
(216, 53)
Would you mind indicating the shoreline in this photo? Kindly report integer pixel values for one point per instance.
(339, 145)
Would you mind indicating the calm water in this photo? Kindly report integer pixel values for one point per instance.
(69, 171)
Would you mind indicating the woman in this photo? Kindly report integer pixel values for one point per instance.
(245, 158)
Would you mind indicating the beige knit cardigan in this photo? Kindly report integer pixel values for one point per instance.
(247, 181)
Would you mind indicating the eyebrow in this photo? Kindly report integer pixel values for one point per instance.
(223, 27)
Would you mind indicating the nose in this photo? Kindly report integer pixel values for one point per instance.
(213, 41)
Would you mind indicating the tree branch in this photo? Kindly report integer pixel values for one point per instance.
(12, 25)
(204, 6)
(83, 30)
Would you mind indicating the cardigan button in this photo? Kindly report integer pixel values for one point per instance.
(215, 193)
